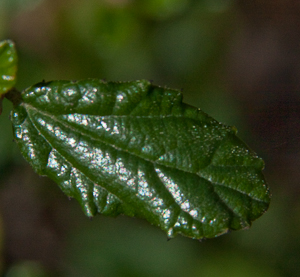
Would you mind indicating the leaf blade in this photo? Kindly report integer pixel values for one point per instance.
(141, 147)
(8, 66)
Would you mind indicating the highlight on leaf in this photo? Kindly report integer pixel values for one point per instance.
(136, 149)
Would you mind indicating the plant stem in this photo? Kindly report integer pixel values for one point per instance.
(14, 96)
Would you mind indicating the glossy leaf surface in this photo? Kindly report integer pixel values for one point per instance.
(8, 65)
(136, 149)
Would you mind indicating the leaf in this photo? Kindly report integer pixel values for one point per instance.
(8, 66)
(134, 148)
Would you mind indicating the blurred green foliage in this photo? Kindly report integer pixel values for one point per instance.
(180, 44)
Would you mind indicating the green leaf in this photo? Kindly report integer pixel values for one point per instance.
(134, 148)
(8, 66)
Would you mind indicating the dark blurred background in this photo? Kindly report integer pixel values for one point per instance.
(237, 60)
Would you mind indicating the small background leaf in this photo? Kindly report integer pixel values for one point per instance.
(8, 65)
